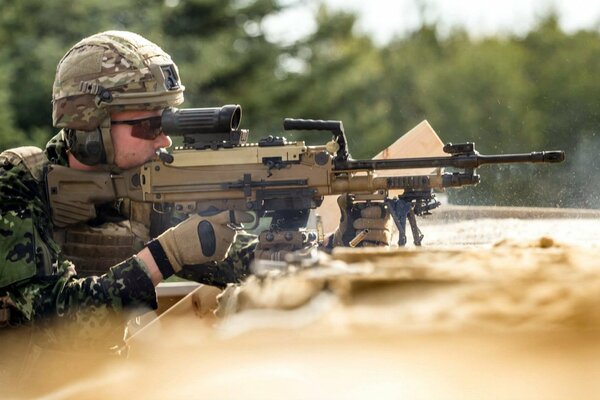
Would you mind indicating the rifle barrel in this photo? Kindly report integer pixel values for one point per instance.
(456, 161)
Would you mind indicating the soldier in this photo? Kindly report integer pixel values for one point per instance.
(109, 92)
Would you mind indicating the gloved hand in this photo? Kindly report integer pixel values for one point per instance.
(358, 217)
(276, 246)
(197, 240)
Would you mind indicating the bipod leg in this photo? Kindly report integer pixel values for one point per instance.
(416, 232)
(399, 210)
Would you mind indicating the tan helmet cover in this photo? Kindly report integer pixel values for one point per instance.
(112, 71)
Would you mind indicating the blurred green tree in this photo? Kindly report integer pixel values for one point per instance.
(337, 75)
(34, 35)
(219, 46)
(506, 93)
(223, 54)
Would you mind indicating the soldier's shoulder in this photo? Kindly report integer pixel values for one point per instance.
(23, 162)
(24, 216)
(21, 173)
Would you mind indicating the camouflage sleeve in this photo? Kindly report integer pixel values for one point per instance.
(235, 268)
(127, 286)
(91, 310)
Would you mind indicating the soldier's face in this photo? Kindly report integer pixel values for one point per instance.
(132, 150)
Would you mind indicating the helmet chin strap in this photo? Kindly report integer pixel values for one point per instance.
(109, 149)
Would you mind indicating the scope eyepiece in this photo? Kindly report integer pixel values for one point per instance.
(188, 121)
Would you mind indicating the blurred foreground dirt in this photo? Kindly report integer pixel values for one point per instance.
(488, 308)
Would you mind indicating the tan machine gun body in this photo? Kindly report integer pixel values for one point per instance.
(196, 183)
(217, 170)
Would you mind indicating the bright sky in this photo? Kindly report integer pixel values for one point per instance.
(386, 18)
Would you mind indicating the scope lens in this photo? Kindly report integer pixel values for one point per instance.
(201, 120)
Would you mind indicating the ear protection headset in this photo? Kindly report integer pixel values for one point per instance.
(92, 147)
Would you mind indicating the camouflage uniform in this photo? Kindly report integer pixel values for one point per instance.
(110, 71)
(38, 281)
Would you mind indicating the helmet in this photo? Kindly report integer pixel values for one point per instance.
(106, 72)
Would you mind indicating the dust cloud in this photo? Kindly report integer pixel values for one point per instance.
(488, 308)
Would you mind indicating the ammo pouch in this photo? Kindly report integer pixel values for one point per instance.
(94, 250)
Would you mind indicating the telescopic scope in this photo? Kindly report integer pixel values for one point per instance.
(189, 121)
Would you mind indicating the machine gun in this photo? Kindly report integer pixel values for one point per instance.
(217, 169)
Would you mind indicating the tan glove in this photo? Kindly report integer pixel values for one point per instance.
(197, 240)
(358, 217)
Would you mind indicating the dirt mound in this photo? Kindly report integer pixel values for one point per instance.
(512, 317)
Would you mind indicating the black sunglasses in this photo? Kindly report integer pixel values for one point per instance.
(145, 128)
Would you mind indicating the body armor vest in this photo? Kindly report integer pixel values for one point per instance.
(108, 240)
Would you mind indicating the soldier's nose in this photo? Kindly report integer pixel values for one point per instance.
(162, 141)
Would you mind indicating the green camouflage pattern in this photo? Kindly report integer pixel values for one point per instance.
(90, 310)
(56, 150)
(18, 245)
(127, 65)
(42, 284)
(34, 275)
(25, 228)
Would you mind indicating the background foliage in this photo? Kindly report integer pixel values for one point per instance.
(508, 94)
